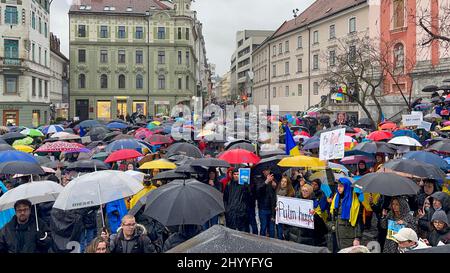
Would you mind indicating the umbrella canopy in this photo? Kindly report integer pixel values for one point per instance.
(97, 188)
(312, 143)
(168, 203)
(100, 156)
(98, 133)
(428, 158)
(302, 161)
(239, 156)
(183, 148)
(373, 148)
(355, 159)
(6, 147)
(65, 136)
(432, 115)
(52, 129)
(142, 133)
(89, 123)
(136, 175)
(60, 146)
(242, 145)
(117, 125)
(32, 132)
(388, 184)
(6, 156)
(130, 144)
(157, 139)
(55, 164)
(407, 133)
(270, 153)
(42, 160)
(124, 154)
(270, 162)
(366, 121)
(91, 165)
(23, 141)
(158, 164)
(415, 168)
(406, 141)
(430, 88)
(380, 135)
(188, 169)
(11, 137)
(210, 162)
(24, 148)
(36, 192)
(169, 175)
(20, 167)
(441, 147)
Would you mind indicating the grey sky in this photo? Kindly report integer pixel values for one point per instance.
(221, 20)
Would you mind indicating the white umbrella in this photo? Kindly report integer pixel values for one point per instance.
(135, 174)
(432, 115)
(65, 136)
(97, 188)
(406, 141)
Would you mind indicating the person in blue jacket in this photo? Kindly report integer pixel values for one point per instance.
(5, 215)
(115, 210)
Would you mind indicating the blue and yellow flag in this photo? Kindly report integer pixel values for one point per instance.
(291, 147)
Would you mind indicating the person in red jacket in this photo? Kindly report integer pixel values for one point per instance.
(226, 179)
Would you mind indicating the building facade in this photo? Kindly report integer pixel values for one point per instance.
(133, 56)
(59, 82)
(223, 89)
(25, 62)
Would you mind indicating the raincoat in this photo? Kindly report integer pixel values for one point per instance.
(115, 210)
(5, 215)
(140, 194)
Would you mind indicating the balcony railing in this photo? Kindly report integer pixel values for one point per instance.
(12, 62)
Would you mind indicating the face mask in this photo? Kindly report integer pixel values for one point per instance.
(427, 209)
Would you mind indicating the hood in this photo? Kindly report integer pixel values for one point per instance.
(140, 230)
(404, 207)
(440, 216)
(443, 198)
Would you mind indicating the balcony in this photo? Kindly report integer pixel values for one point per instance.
(12, 62)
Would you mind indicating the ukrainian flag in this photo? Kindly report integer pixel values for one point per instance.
(291, 147)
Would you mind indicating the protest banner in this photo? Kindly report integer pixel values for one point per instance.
(332, 144)
(411, 120)
(393, 228)
(244, 176)
(295, 212)
(425, 125)
(417, 113)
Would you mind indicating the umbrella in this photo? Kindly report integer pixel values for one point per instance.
(22, 167)
(117, 125)
(23, 141)
(407, 133)
(415, 168)
(42, 159)
(239, 156)
(348, 129)
(180, 160)
(97, 188)
(6, 156)
(6, 147)
(32, 133)
(423, 106)
(406, 141)
(55, 164)
(432, 115)
(169, 175)
(11, 137)
(447, 128)
(130, 144)
(158, 139)
(388, 184)
(355, 159)
(338, 167)
(429, 158)
(98, 132)
(302, 161)
(100, 156)
(312, 143)
(123, 136)
(388, 126)
(371, 148)
(242, 145)
(91, 165)
(69, 130)
(142, 133)
(65, 136)
(183, 202)
(89, 123)
(270, 162)
(366, 121)
(122, 155)
(270, 153)
(110, 136)
(184, 148)
(118, 121)
(24, 148)
(53, 129)
(380, 135)
(136, 175)
(210, 162)
(60, 146)
(158, 164)
(188, 169)
(441, 147)
(430, 88)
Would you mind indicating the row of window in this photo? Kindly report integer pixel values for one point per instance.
(39, 55)
(41, 28)
(139, 82)
(287, 92)
(138, 33)
(12, 18)
(40, 84)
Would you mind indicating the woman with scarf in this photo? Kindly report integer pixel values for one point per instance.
(398, 216)
(362, 168)
(344, 211)
(284, 188)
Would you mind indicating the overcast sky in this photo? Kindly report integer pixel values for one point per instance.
(221, 20)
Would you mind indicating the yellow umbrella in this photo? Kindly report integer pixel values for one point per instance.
(446, 128)
(157, 123)
(302, 161)
(23, 148)
(158, 164)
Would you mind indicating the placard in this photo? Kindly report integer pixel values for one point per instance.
(393, 228)
(425, 125)
(332, 145)
(295, 212)
(244, 176)
(411, 120)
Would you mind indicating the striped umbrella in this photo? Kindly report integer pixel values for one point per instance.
(60, 146)
(53, 129)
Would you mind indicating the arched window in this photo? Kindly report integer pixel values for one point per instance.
(121, 81)
(399, 58)
(161, 82)
(82, 81)
(139, 81)
(103, 81)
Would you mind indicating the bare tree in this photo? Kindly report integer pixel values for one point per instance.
(437, 29)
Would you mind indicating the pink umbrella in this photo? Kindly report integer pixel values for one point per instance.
(447, 123)
(60, 146)
(143, 133)
(355, 159)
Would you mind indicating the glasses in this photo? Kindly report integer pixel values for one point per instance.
(438, 223)
(22, 210)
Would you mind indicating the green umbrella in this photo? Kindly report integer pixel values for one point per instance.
(25, 141)
(32, 133)
(100, 156)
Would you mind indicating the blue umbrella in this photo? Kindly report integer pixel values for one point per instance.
(447, 159)
(423, 106)
(429, 158)
(7, 156)
(120, 144)
(52, 129)
(407, 133)
(117, 125)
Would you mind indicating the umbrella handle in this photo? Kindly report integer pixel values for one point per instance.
(101, 207)
(37, 221)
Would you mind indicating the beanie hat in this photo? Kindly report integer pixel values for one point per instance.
(440, 216)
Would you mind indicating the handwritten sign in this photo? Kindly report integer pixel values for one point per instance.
(244, 176)
(411, 120)
(393, 228)
(425, 125)
(332, 145)
(295, 212)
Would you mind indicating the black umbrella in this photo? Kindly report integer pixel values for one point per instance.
(118, 120)
(441, 146)
(389, 184)
(242, 145)
(6, 147)
(169, 175)
(55, 164)
(69, 130)
(348, 129)
(94, 144)
(270, 162)
(11, 137)
(20, 167)
(270, 153)
(373, 148)
(430, 88)
(98, 133)
(183, 148)
(188, 169)
(2, 141)
(210, 162)
(91, 165)
(43, 160)
(180, 160)
(111, 136)
(366, 121)
(444, 87)
(446, 80)
(415, 168)
(183, 202)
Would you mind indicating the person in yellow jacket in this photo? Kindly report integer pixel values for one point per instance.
(148, 186)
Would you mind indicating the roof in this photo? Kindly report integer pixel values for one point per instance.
(137, 6)
(318, 10)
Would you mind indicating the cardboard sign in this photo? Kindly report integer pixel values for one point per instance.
(425, 125)
(411, 120)
(393, 228)
(332, 145)
(244, 176)
(295, 212)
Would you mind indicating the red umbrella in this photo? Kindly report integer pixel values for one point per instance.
(388, 126)
(303, 133)
(142, 133)
(158, 139)
(239, 156)
(122, 155)
(380, 135)
(60, 146)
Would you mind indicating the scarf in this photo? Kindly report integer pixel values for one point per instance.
(349, 202)
(282, 192)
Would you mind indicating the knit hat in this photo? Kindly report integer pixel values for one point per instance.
(440, 216)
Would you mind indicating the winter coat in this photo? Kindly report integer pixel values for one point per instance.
(5, 215)
(66, 226)
(236, 199)
(89, 217)
(180, 237)
(217, 184)
(15, 238)
(306, 236)
(115, 210)
(266, 196)
(140, 243)
(345, 232)
(44, 210)
(156, 231)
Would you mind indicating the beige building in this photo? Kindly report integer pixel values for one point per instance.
(223, 88)
(289, 66)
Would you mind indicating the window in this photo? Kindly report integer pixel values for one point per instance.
(187, 34)
(161, 57)
(316, 37)
(286, 68)
(11, 15)
(40, 88)
(11, 83)
(180, 83)
(161, 82)
(299, 65)
(399, 13)
(40, 55)
(315, 62)
(33, 20)
(352, 54)
(299, 42)
(122, 56)
(280, 48)
(139, 33)
(286, 91)
(121, 33)
(11, 51)
(286, 46)
(274, 92)
(81, 81)
(45, 57)
(36, 117)
(274, 50)
(121, 81)
(33, 86)
(139, 57)
(352, 25)
(300, 90)
(187, 59)
(139, 81)
(179, 33)
(40, 25)
(103, 81)
(103, 56)
(161, 33)
(180, 57)
(103, 109)
(315, 88)
(81, 55)
(274, 70)
(81, 30)
(103, 31)
(332, 58)
(140, 107)
(399, 58)
(187, 82)
(46, 89)
(45, 30)
(332, 32)
(33, 52)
